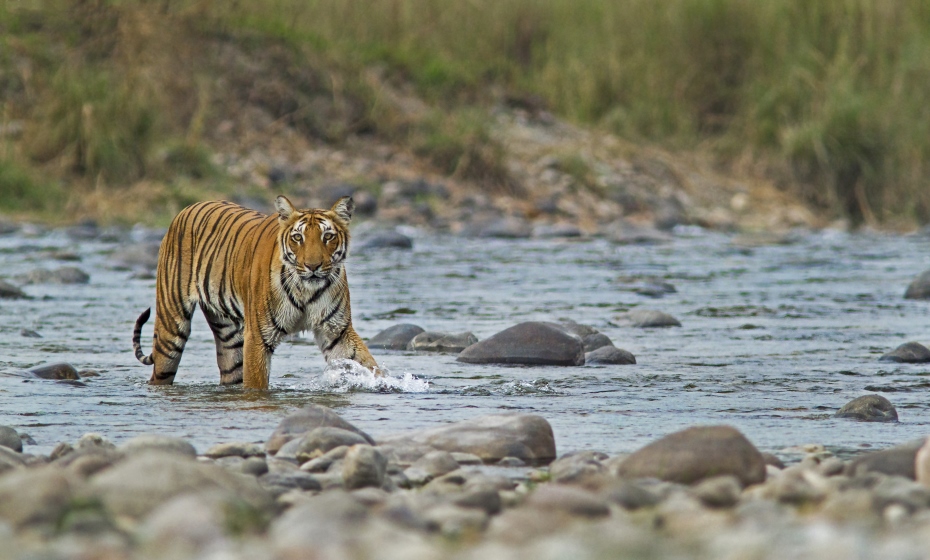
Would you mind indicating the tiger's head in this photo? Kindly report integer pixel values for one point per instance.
(314, 242)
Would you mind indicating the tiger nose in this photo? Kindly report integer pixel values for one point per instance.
(314, 266)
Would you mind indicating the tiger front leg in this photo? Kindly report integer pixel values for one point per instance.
(256, 360)
(345, 344)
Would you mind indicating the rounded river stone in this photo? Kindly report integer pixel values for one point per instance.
(396, 337)
(305, 420)
(695, 454)
(909, 353)
(869, 408)
(530, 343)
(919, 288)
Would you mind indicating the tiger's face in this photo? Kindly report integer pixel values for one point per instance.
(314, 242)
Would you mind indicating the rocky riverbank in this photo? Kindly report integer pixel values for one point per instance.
(492, 486)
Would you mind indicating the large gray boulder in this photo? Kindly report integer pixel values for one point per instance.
(695, 454)
(530, 343)
(138, 485)
(395, 337)
(525, 436)
(869, 408)
(919, 288)
(305, 420)
(908, 353)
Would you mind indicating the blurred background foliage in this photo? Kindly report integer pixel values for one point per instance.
(828, 98)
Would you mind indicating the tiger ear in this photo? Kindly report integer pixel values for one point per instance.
(344, 208)
(284, 208)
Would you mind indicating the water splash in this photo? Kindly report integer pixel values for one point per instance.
(344, 376)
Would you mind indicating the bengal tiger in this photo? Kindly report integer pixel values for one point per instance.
(257, 278)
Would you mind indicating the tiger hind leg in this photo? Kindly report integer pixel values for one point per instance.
(172, 329)
(229, 341)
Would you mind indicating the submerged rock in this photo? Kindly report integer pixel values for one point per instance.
(609, 355)
(10, 439)
(647, 319)
(57, 371)
(385, 240)
(596, 340)
(697, 453)
(909, 352)
(524, 436)
(530, 343)
(9, 291)
(869, 408)
(396, 337)
(919, 288)
(305, 420)
(441, 342)
(63, 275)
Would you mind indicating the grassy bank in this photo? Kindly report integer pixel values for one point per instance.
(826, 97)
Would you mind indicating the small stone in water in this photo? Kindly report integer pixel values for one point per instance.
(9, 438)
(909, 353)
(55, 371)
(919, 288)
(29, 333)
(609, 355)
(396, 337)
(9, 291)
(869, 408)
(441, 342)
(647, 319)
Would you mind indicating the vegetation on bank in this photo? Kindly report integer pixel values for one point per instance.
(826, 97)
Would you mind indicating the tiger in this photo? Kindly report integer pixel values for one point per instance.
(257, 278)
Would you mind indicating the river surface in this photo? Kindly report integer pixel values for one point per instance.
(775, 338)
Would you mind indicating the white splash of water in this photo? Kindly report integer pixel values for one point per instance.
(343, 376)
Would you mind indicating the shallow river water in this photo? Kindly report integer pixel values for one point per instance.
(775, 338)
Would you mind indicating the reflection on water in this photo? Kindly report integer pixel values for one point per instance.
(774, 340)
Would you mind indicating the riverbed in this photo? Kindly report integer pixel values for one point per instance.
(776, 335)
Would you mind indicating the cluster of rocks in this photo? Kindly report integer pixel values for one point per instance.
(491, 486)
(566, 343)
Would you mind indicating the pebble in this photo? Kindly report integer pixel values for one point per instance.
(235, 449)
(156, 442)
(869, 408)
(254, 465)
(430, 466)
(319, 441)
(567, 499)
(363, 466)
(327, 460)
(577, 467)
(718, 491)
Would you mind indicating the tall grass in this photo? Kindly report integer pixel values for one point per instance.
(829, 96)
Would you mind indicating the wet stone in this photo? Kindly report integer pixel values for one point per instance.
(28, 333)
(328, 459)
(909, 353)
(63, 275)
(869, 408)
(609, 355)
(9, 291)
(694, 454)
(919, 288)
(384, 240)
(596, 340)
(10, 439)
(235, 449)
(396, 337)
(430, 466)
(305, 420)
(57, 371)
(441, 342)
(647, 319)
(530, 343)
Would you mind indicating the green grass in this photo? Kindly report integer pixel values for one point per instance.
(829, 96)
